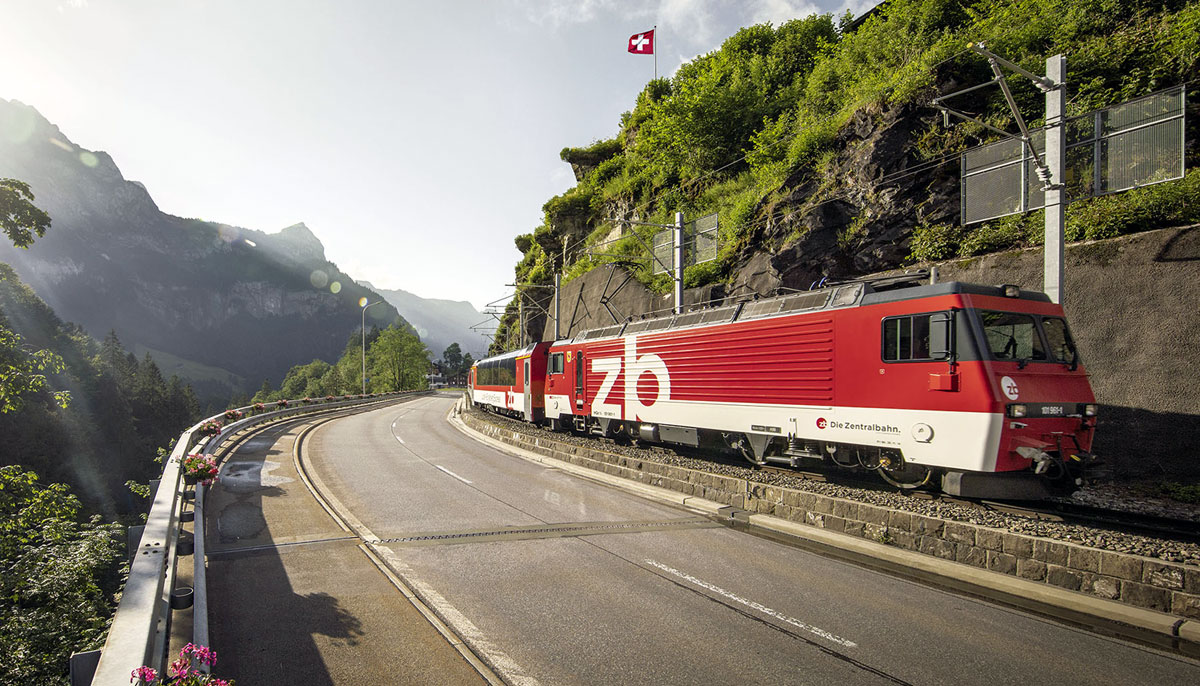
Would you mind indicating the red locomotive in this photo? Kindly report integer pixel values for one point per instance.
(976, 389)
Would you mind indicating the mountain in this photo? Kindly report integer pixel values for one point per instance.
(227, 306)
(439, 322)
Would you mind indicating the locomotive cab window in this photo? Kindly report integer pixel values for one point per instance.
(1062, 347)
(1012, 336)
(555, 365)
(917, 338)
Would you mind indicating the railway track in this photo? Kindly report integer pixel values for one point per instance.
(1154, 526)
(1099, 518)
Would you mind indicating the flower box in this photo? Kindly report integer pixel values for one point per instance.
(210, 428)
(199, 468)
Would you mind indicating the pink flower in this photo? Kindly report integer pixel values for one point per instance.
(218, 682)
(180, 668)
(145, 674)
(204, 654)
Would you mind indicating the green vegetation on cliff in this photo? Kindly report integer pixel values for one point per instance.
(770, 130)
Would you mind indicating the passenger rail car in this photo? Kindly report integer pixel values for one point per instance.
(513, 383)
(976, 389)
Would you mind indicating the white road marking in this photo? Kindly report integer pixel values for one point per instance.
(451, 473)
(508, 668)
(757, 606)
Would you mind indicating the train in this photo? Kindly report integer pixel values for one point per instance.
(976, 390)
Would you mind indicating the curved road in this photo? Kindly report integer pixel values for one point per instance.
(555, 579)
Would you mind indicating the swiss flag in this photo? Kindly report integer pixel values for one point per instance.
(642, 43)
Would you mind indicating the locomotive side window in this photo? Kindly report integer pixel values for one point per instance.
(1012, 336)
(555, 365)
(906, 339)
(1059, 338)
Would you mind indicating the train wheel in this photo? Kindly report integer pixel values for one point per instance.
(907, 476)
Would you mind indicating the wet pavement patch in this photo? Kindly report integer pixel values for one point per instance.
(247, 477)
(240, 520)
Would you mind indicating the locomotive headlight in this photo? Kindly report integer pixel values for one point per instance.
(1011, 291)
(1089, 410)
(1017, 410)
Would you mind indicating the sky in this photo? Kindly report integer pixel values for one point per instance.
(415, 139)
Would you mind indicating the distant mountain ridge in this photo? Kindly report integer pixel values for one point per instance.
(439, 322)
(221, 296)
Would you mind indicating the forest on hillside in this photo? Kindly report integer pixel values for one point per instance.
(99, 413)
(825, 125)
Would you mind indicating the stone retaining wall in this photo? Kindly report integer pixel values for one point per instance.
(1139, 581)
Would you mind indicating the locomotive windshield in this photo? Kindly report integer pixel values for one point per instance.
(1012, 336)
(1018, 336)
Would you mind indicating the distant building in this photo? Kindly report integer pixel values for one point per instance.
(435, 378)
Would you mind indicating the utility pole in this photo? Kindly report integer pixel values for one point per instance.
(1056, 154)
(676, 252)
(557, 287)
(364, 343)
(520, 321)
(678, 263)
(1051, 170)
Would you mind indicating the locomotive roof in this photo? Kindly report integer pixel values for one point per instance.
(946, 288)
(833, 297)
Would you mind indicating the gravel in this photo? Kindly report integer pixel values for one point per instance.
(1113, 496)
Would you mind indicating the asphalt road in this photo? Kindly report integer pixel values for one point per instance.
(555, 579)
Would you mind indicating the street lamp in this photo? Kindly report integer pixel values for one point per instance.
(364, 344)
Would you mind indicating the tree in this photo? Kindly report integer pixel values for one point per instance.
(23, 372)
(305, 381)
(19, 217)
(114, 359)
(182, 406)
(333, 383)
(398, 361)
(265, 394)
(57, 578)
(452, 360)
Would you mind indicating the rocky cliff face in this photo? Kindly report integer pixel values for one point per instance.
(244, 301)
(864, 223)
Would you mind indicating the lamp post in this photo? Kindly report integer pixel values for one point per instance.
(364, 344)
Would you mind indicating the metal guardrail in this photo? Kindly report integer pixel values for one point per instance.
(140, 630)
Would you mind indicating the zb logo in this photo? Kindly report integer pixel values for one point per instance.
(646, 382)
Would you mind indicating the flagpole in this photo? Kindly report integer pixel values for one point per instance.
(655, 30)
